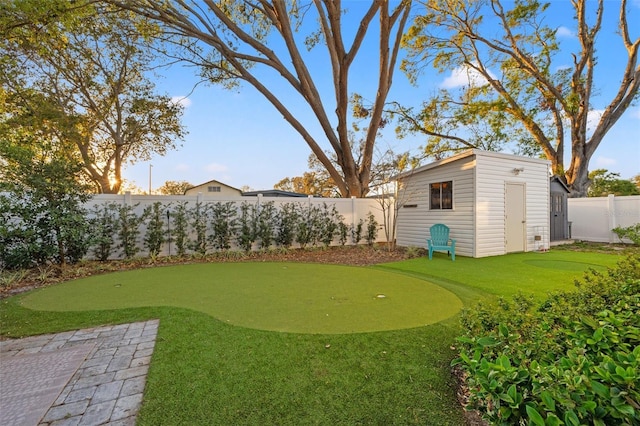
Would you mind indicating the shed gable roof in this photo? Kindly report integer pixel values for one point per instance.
(465, 154)
(558, 183)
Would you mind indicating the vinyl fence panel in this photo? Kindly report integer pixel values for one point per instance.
(592, 219)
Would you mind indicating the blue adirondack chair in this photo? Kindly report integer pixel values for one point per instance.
(440, 240)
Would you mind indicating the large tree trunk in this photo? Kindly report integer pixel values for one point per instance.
(577, 175)
(235, 57)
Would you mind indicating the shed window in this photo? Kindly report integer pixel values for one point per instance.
(441, 196)
(213, 189)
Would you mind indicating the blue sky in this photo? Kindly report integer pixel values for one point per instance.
(238, 138)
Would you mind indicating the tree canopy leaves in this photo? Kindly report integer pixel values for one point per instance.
(514, 91)
(91, 62)
(604, 182)
(173, 187)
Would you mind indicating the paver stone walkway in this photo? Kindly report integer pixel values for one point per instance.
(86, 377)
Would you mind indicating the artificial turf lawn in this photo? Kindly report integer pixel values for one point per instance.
(205, 371)
(292, 297)
(530, 273)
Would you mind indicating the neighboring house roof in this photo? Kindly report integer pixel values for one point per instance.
(203, 187)
(211, 183)
(273, 193)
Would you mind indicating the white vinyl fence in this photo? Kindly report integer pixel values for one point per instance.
(592, 219)
(353, 210)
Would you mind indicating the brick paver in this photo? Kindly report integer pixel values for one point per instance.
(87, 377)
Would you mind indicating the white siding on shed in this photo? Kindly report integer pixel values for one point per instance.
(477, 220)
(414, 222)
(493, 172)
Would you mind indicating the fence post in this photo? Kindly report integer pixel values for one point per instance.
(259, 201)
(611, 211)
(127, 198)
(353, 215)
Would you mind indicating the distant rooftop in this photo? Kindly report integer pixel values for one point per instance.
(273, 193)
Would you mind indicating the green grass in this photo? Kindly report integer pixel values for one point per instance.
(206, 371)
(533, 273)
(293, 297)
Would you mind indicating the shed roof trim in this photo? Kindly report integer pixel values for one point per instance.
(465, 154)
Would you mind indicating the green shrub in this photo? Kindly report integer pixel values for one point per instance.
(286, 227)
(372, 229)
(179, 233)
(103, 225)
(199, 216)
(37, 228)
(128, 230)
(631, 232)
(356, 231)
(155, 234)
(266, 224)
(223, 224)
(329, 220)
(572, 360)
(246, 232)
(309, 226)
(343, 232)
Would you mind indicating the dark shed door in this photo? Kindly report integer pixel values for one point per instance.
(558, 216)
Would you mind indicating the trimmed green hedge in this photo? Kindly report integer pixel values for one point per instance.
(32, 234)
(574, 359)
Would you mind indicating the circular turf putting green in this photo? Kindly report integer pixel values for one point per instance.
(289, 297)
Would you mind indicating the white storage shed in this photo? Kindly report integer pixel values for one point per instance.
(493, 203)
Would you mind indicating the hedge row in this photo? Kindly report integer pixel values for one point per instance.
(29, 236)
(572, 360)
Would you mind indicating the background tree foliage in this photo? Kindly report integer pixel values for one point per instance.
(91, 61)
(173, 187)
(233, 42)
(312, 183)
(41, 195)
(385, 164)
(604, 182)
(516, 92)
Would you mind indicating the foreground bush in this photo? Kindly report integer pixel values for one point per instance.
(631, 232)
(574, 359)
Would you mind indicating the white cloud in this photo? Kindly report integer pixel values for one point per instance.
(605, 162)
(465, 76)
(565, 32)
(182, 167)
(216, 168)
(182, 100)
(635, 113)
